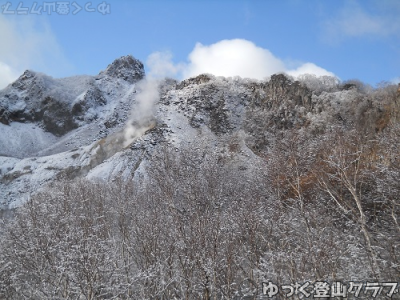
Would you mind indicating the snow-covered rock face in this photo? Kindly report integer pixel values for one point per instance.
(72, 127)
(61, 105)
(126, 68)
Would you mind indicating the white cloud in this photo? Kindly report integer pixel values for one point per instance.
(230, 58)
(28, 43)
(354, 20)
(233, 58)
(7, 75)
(309, 68)
(395, 80)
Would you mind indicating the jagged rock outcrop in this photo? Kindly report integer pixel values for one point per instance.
(280, 89)
(225, 105)
(126, 68)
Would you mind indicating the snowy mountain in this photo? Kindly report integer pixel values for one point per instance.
(49, 125)
(52, 129)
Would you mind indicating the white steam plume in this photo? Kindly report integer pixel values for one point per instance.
(142, 114)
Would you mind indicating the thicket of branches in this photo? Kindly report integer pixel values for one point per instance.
(316, 207)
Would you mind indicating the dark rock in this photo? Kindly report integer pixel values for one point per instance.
(281, 89)
(4, 116)
(112, 122)
(57, 118)
(349, 86)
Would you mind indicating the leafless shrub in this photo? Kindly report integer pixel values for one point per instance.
(314, 208)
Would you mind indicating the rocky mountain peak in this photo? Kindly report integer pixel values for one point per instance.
(127, 68)
(27, 74)
(24, 81)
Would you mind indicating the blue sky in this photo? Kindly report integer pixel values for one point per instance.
(180, 38)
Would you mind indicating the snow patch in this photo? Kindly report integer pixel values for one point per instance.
(24, 139)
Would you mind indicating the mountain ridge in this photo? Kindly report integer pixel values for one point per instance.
(75, 126)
